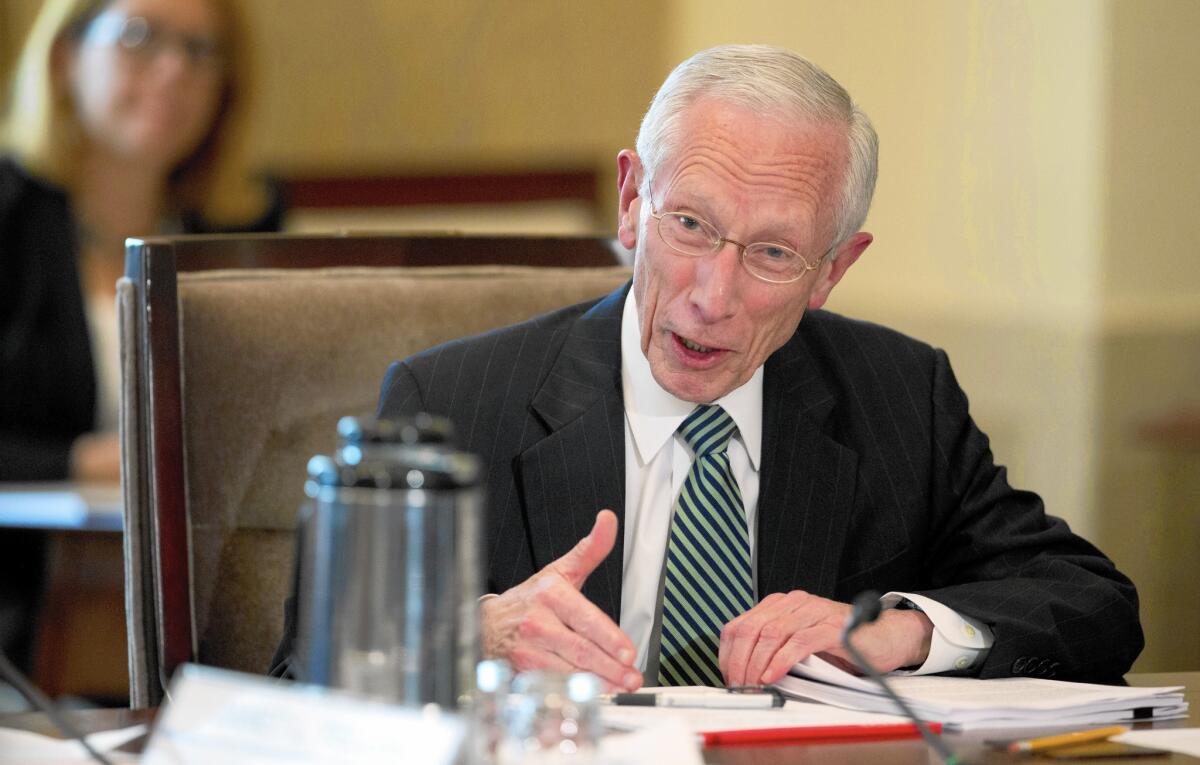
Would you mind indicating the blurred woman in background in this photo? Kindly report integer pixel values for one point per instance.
(124, 118)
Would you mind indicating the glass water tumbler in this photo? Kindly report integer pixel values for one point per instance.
(551, 718)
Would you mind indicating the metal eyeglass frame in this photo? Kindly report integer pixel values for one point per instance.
(721, 241)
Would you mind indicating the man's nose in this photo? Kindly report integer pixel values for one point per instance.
(714, 283)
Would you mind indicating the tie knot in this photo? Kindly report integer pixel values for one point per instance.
(708, 429)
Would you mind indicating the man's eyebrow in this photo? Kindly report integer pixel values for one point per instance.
(675, 201)
(775, 232)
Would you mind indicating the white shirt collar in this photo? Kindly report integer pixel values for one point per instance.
(654, 414)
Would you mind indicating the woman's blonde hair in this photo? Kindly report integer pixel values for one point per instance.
(40, 126)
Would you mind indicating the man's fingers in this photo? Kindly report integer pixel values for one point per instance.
(547, 623)
(741, 635)
(798, 648)
(773, 637)
(583, 558)
(762, 644)
(571, 627)
(791, 627)
(574, 613)
(582, 654)
(531, 657)
(584, 617)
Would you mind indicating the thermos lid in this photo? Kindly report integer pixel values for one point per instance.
(403, 453)
(421, 428)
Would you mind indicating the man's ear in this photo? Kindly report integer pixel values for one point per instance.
(629, 180)
(832, 271)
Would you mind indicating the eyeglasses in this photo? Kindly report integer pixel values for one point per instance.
(695, 237)
(146, 39)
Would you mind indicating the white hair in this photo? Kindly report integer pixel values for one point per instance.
(774, 81)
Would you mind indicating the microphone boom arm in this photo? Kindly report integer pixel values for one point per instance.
(867, 610)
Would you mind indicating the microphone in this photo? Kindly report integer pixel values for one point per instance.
(866, 609)
(16, 679)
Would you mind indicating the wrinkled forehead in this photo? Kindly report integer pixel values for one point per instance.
(732, 155)
(790, 148)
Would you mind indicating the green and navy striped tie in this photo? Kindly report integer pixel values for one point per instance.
(708, 578)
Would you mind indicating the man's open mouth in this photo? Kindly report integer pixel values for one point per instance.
(694, 346)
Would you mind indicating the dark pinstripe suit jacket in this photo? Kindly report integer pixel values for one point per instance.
(873, 476)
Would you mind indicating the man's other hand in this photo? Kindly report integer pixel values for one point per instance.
(760, 646)
(546, 623)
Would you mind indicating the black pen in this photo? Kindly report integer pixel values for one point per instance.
(735, 698)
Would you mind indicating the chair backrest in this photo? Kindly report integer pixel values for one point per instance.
(233, 377)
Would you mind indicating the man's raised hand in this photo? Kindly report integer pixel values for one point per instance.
(546, 623)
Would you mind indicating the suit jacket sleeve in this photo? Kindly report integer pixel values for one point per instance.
(400, 395)
(1057, 606)
(32, 458)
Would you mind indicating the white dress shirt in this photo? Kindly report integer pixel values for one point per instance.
(657, 460)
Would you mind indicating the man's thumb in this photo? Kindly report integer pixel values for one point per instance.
(583, 558)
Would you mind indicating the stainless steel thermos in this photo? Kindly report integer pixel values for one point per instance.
(391, 563)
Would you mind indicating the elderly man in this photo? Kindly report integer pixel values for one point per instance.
(745, 473)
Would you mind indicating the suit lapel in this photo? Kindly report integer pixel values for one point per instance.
(579, 468)
(808, 479)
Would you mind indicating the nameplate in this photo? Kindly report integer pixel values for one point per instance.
(229, 717)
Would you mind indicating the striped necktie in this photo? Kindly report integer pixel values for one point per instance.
(708, 578)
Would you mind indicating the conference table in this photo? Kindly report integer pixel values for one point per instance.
(970, 747)
(61, 506)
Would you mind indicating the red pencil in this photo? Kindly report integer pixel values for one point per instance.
(818, 734)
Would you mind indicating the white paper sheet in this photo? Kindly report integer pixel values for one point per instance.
(22, 746)
(668, 741)
(1181, 740)
(218, 716)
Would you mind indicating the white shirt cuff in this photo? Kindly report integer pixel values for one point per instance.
(959, 642)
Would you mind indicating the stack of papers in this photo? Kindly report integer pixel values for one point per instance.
(965, 703)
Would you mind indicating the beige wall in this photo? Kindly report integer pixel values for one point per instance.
(1151, 268)
(378, 83)
(16, 16)
(1149, 490)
